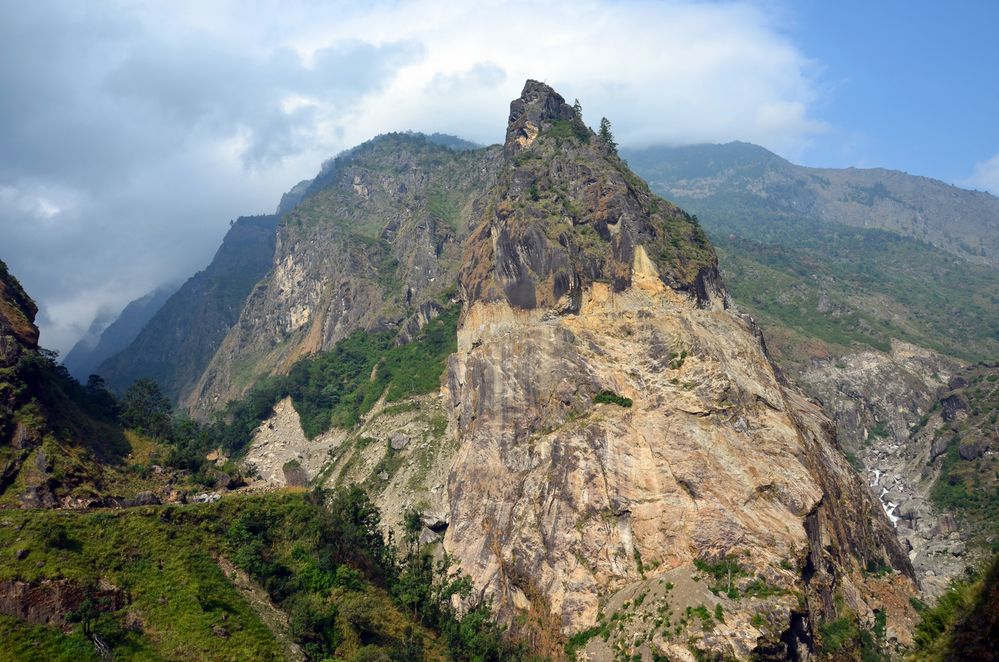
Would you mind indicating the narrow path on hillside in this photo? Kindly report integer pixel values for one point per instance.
(275, 619)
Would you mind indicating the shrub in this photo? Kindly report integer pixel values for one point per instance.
(612, 398)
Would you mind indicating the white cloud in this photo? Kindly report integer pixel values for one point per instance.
(985, 176)
(144, 127)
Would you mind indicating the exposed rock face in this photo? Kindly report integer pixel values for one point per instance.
(50, 602)
(894, 411)
(380, 236)
(17, 319)
(536, 109)
(557, 499)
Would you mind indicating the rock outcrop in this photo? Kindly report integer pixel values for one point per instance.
(17, 319)
(18, 336)
(617, 422)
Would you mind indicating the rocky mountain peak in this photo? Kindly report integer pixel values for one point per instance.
(538, 107)
(567, 212)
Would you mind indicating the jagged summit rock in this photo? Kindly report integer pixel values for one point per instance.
(537, 108)
(567, 212)
(618, 425)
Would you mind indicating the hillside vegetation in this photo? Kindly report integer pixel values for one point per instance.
(828, 260)
(163, 583)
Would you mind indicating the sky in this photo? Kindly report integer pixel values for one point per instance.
(132, 133)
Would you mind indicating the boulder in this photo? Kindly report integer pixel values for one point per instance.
(398, 441)
(428, 537)
(938, 448)
(141, 499)
(956, 382)
(946, 524)
(952, 404)
(970, 449)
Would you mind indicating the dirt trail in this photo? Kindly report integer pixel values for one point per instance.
(275, 619)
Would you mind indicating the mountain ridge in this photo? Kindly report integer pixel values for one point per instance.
(105, 339)
(967, 224)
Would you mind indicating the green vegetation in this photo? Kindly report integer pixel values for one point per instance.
(612, 398)
(851, 286)
(842, 285)
(606, 136)
(562, 130)
(970, 487)
(321, 558)
(332, 389)
(578, 641)
(81, 426)
(963, 623)
(443, 208)
(844, 639)
(723, 573)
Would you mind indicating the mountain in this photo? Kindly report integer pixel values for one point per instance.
(179, 340)
(893, 326)
(104, 339)
(611, 455)
(105, 557)
(373, 245)
(519, 355)
(827, 268)
(723, 178)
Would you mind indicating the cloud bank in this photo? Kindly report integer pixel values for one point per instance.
(986, 176)
(131, 133)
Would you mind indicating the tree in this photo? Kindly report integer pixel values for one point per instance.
(100, 400)
(606, 135)
(578, 109)
(145, 408)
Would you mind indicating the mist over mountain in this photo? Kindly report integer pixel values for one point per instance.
(180, 338)
(106, 337)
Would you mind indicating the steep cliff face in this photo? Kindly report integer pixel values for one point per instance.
(371, 247)
(17, 318)
(176, 345)
(617, 424)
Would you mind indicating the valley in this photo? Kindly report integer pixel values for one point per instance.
(514, 402)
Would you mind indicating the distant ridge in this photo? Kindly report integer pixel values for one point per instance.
(104, 340)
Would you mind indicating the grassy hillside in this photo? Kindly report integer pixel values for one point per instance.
(274, 576)
(848, 287)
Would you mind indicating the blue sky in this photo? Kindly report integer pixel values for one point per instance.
(133, 131)
(906, 85)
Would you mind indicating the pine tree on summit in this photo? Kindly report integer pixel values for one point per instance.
(606, 135)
